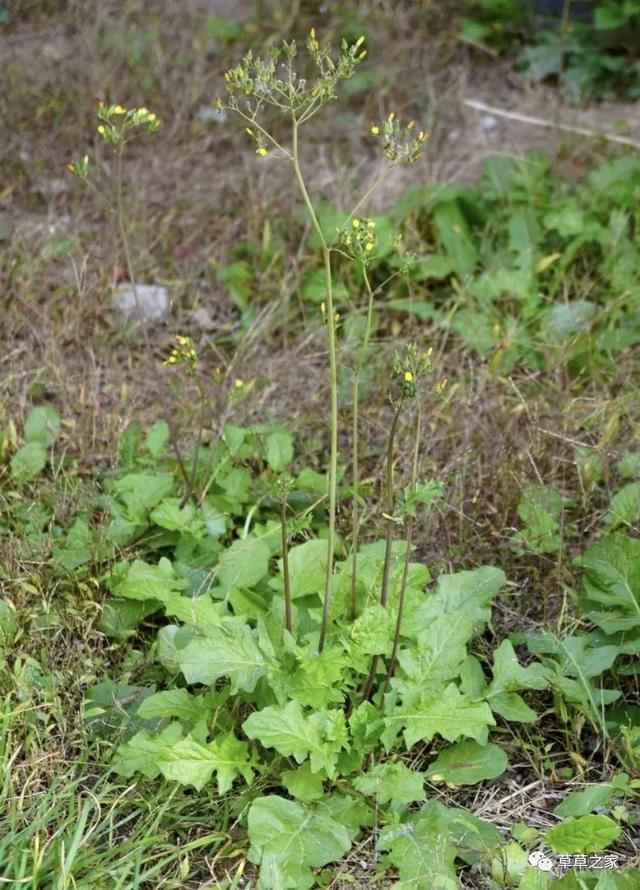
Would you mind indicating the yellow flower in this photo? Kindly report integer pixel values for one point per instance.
(151, 116)
(369, 246)
(248, 130)
(312, 33)
(422, 136)
(261, 151)
(375, 131)
(356, 223)
(411, 125)
(238, 383)
(371, 223)
(101, 130)
(362, 54)
(119, 110)
(360, 41)
(408, 376)
(142, 110)
(391, 117)
(227, 76)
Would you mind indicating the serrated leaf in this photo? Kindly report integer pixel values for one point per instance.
(451, 715)
(176, 703)
(228, 650)
(288, 840)
(144, 581)
(612, 580)
(391, 782)
(307, 568)
(142, 752)
(581, 803)
(243, 564)
(190, 762)
(42, 425)
(171, 515)
(439, 652)
(625, 507)
(587, 834)
(28, 461)
(372, 631)
(156, 439)
(468, 763)
(279, 451)
(77, 548)
(303, 783)
(467, 593)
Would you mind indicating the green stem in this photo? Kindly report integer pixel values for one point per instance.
(333, 386)
(356, 381)
(288, 623)
(407, 556)
(384, 588)
(124, 238)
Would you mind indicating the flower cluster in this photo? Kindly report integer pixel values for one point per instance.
(409, 368)
(273, 80)
(117, 122)
(401, 144)
(358, 238)
(80, 168)
(184, 353)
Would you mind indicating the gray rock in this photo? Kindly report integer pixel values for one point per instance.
(148, 302)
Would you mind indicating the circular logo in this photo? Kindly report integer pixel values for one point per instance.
(539, 859)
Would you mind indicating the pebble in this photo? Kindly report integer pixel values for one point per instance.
(149, 302)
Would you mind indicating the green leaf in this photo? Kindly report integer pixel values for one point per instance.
(289, 840)
(171, 515)
(451, 715)
(372, 631)
(279, 451)
(629, 465)
(42, 426)
(243, 564)
(426, 844)
(156, 439)
(229, 650)
(307, 568)
(612, 581)
(303, 783)
(176, 703)
(320, 736)
(511, 706)
(28, 461)
(467, 763)
(455, 237)
(144, 581)
(391, 782)
(625, 507)
(466, 593)
(438, 654)
(141, 492)
(78, 546)
(191, 762)
(142, 752)
(581, 803)
(587, 834)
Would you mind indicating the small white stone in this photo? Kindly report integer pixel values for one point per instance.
(149, 302)
(488, 122)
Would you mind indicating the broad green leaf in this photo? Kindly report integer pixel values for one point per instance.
(144, 581)
(438, 653)
(228, 650)
(372, 631)
(451, 715)
(587, 834)
(612, 579)
(629, 465)
(508, 677)
(141, 492)
(243, 564)
(176, 703)
(307, 568)
(119, 618)
(578, 657)
(467, 763)
(288, 840)
(455, 237)
(191, 762)
(426, 844)
(42, 426)
(512, 707)
(302, 783)
(156, 439)
(28, 461)
(466, 593)
(170, 515)
(581, 803)
(320, 736)
(279, 451)
(78, 546)
(391, 782)
(625, 507)
(142, 752)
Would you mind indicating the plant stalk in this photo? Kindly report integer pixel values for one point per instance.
(288, 623)
(333, 386)
(355, 519)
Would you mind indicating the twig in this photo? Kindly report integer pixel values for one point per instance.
(550, 125)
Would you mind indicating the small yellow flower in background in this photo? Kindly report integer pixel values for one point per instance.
(375, 131)
(362, 54)
(238, 383)
(360, 41)
(391, 117)
(119, 110)
(248, 130)
(408, 376)
(411, 125)
(441, 386)
(227, 76)
(369, 246)
(371, 223)
(101, 130)
(355, 223)
(422, 136)
(152, 117)
(261, 151)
